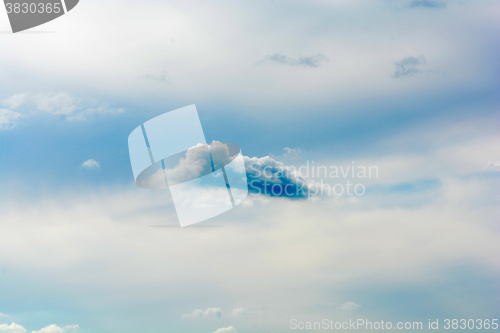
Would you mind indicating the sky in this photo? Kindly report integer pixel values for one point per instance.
(409, 87)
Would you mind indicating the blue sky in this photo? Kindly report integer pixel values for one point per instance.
(411, 87)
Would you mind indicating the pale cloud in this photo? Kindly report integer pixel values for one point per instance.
(163, 78)
(427, 4)
(229, 329)
(56, 329)
(409, 66)
(72, 108)
(349, 306)
(210, 312)
(309, 61)
(493, 165)
(9, 119)
(243, 312)
(62, 104)
(91, 164)
(3, 315)
(12, 328)
(15, 101)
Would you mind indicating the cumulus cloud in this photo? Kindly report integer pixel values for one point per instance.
(56, 329)
(349, 306)
(15, 101)
(310, 61)
(270, 177)
(210, 312)
(243, 312)
(408, 66)
(12, 328)
(9, 119)
(91, 164)
(163, 78)
(229, 329)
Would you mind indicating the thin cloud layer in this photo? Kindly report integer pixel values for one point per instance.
(309, 61)
(409, 66)
(62, 104)
(427, 4)
(210, 312)
(9, 119)
(349, 306)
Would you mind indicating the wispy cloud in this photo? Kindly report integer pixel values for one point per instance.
(408, 66)
(229, 329)
(349, 306)
(210, 312)
(309, 61)
(70, 107)
(427, 4)
(56, 329)
(9, 119)
(163, 78)
(243, 312)
(91, 164)
(62, 104)
(15, 101)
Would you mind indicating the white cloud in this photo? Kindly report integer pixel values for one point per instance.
(229, 329)
(210, 312)
(56, 329)
(61, 104)
(493, 165)
(243, 312)
(9, 119)
(72, 108)
(3, 315)
(91, 163)
(12, 328)
(15, 101)
(349, 306)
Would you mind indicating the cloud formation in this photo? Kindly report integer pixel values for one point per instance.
(15, 101)
(229, 329)
(9, 119)
(309, 61)
(427, 4)
(210, 312)
(270, 177)
(56, 329)
(243, 312)
(408, 66)
(163, 78)
(91, 164)
(62, 104)
(349, 306)
(12, 328)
